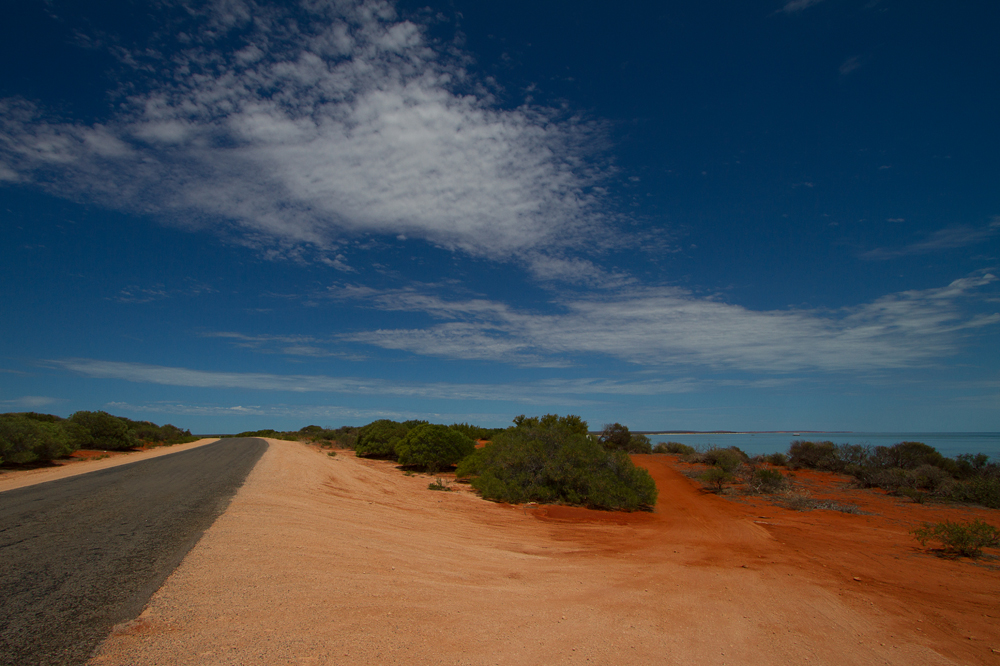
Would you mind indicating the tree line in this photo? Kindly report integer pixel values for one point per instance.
(30, 437)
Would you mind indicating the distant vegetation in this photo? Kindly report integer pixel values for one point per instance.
(911, 469)
(29, 437)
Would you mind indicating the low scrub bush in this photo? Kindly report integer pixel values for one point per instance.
(779, 459)
(956, 538)
(438, 484)
(433, 447)
(552, 459)
(765, 480)
(726, 459)
(817, 455)
(716, 477)
(673, 447)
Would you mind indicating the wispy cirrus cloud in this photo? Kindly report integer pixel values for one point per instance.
(294, 127)
(29, 402)
(795, 6)
(671, 327)
(559, 391)
(943, 239)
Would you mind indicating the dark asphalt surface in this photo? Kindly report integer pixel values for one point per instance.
(79, 555)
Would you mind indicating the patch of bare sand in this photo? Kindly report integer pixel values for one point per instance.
(346, 561)
(62, 469)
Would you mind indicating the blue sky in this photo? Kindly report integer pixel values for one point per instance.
(742, 215)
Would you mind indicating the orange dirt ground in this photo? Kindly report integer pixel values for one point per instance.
(339, 560)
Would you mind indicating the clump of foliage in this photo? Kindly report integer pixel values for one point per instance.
(777, 459)
(674, 447)
(150, 433)
(100, 430)
(475, 432)
(765, 480)
(957, 538)
(379, 438)
(616, 437)
(25, 438)
(724, 466)
(29, 437)
(716, 476)
(552, 459)
(433, 447)
(911, 469)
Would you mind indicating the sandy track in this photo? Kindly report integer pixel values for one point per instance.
(346, 561)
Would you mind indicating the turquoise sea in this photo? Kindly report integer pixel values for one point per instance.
(949, 444)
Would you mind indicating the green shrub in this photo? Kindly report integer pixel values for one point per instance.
(981, 490)
(816, 455)
(779, 459)
(967, 539)
(26, 439)
(674, 447)
(379, 438)
(716, 476)
(909, 455)
(726, 459)
(766, 480)
(552, 459)
(100, 430)
(616, 437)
(433, 447)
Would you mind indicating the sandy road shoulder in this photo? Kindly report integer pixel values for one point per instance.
(345, 561)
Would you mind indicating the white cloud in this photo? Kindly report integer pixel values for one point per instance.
(557, 391)
(312, 129)
(668, 326)
(943, 239)
(29, 402)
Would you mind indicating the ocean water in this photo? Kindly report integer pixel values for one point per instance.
(949, 444)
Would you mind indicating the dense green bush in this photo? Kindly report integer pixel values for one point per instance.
(24, 438)
(146, 431)
(100, 430)
(616, 437)
(728, 459)
(433, 447)
(379, 438)
(552, 459)
(967, 539)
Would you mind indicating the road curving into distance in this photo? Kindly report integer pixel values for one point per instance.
(79, 555)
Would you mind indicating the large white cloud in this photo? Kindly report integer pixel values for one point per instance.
(317, 122)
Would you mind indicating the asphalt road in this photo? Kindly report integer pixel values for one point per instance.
(79, 555)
